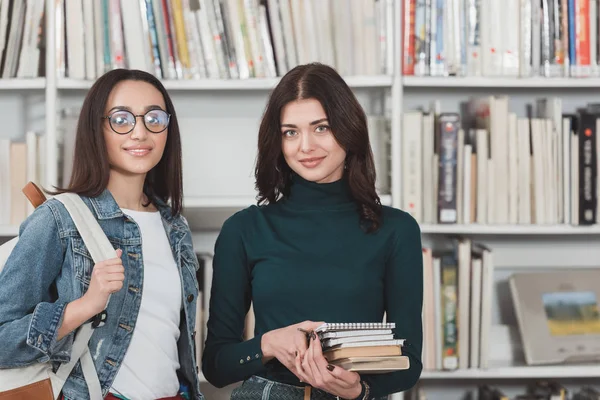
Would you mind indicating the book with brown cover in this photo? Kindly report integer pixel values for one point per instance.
(373, 365)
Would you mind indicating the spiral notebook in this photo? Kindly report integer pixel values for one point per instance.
(368, 347)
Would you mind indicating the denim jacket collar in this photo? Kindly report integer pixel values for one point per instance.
(106, 207)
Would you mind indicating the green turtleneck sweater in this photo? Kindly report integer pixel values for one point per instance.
(306, 258)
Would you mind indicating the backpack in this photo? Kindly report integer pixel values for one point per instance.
(38, 381)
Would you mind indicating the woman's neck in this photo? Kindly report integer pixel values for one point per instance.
(128, 191)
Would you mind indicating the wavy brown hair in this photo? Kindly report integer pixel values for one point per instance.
(349, 127)
(91, 169)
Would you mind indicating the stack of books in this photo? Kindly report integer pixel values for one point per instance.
(363, 347)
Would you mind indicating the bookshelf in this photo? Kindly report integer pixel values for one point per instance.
(516, 372)
(508, 230)
(378, 81)
(389, 95)
(539, 84)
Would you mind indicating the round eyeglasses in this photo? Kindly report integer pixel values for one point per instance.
(123, 121)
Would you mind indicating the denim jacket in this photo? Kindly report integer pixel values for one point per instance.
(50, 267)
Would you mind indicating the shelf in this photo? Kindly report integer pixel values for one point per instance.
(233, 84)
(483, 82)
(8, 230)
(475, 229)
(242, 201)
(522, 372)
(23, 84)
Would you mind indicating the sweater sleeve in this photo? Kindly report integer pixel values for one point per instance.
(403, 302)
(227, 358)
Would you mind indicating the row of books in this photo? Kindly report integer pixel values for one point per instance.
(537, 390)
(22, 42)
(488, 166)
(517, 38)
(458, 283)
(223, 39)
(20, 162)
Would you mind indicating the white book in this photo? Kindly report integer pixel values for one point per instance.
(352, 333)
(75, 38)
(98, 37)
(539, 190)
(371, 58)
(566, 166)
(289, 39)
(4, 16)
(89, 39)
(207, 7)
(311, 38)
(536, 36)
(525, 39)
(482, 175)
(487, 291)
(491, 195)
(429, 168)
(513, 170)
(510, 56)
(356, 339)
(524, 172)
(137, 45)
(192, 32)
(25, 48)
(300, 36)
(258, 57)
(358, 40)
(549, 183)
(499, 147)
(474, 37)
(460, 161)
(466, 178)
(322, 13)
(275, 22)
(213, 71)
(464, 302)
(412, 164)
(265, 42)
(14, 37)
(475, 311)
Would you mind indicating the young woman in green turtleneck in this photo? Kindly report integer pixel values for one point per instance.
(319, 247)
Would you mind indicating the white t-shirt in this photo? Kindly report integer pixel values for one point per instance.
(149, 368)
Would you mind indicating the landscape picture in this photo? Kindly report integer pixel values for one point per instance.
(572, 313)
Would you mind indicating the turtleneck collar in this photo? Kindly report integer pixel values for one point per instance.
(307, 194)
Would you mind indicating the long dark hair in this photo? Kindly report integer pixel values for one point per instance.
(348, 124)
(91, 169)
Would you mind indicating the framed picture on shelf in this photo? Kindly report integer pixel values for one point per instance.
(558, 314)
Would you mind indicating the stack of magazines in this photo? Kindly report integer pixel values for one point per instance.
(363, 347)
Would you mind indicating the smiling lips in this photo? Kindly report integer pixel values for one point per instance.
(311, 162)
(138, 151)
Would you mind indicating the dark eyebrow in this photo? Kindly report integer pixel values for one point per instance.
(148, 108)
(312, 123)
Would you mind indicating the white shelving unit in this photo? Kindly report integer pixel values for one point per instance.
(517, 372)
(376, 81)
(488, 83)
(512, 230)
(248, 98)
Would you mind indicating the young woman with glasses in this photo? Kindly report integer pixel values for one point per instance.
(320, 247)
(127, 168)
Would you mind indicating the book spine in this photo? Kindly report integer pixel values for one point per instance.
(587, 169)
(449, 124)
(408, 64)
(449, 291)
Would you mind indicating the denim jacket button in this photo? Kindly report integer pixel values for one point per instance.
(190, 298)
